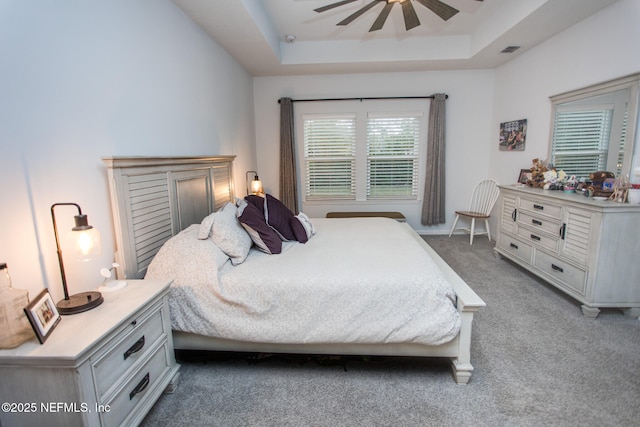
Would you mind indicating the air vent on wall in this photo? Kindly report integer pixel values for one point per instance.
(510, 49)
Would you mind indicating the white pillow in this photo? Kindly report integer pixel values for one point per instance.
(205, 227)
(229, 236)
(309, 228)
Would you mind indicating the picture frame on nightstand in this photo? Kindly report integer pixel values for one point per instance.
(43, 315)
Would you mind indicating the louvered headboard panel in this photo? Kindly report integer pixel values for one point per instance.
(154, 198)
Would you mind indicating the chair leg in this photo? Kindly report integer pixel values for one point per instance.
(486, 224)
(473, 227)
(454, 224)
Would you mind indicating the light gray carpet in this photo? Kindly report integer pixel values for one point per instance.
(538, 362)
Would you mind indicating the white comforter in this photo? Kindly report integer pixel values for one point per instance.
(360, 280)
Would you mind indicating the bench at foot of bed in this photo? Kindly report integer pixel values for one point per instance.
(393, 215)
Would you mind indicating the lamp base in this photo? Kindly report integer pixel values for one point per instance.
(78, 303)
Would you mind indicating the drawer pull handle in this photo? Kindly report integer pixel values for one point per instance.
(556, 268)
(513, 245)
(536, 222)
(534, 237)
(539, 207)
(134, 348)
(140, 387)
(514, 214)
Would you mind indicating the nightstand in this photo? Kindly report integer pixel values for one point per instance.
(106, 366)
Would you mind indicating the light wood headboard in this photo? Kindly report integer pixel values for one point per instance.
(154, 198)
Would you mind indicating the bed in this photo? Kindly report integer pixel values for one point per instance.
(356, 287)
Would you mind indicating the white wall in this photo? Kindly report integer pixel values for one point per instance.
(469, 130)
(602, 47)
(83, 80)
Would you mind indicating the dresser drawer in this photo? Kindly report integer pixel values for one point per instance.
(541, 207)
(516, 247)
(573, 277)
(123, 351)
(539, 222)
(539, 239)
(142, 382)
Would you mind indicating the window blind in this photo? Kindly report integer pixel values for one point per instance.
(329, 151)
(392, 157)
(581, 140)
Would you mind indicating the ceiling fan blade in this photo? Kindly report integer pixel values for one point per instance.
(332, 5)
(410, 17)
(444, 11)
(358, 13)
(379, 22)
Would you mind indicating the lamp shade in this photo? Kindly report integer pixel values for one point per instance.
(256, 186)
(84, 240)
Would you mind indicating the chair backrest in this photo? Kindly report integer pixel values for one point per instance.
(484, 197)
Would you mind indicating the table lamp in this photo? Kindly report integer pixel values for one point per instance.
(86, 245)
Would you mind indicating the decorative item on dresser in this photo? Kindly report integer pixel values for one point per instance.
(103, 367)
(586, 248)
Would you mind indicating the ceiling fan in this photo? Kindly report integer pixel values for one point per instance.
(411, 20)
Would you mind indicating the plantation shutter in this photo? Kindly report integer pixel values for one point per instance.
(623, 138)
(581, 140)
(330, 154)
(392, 156)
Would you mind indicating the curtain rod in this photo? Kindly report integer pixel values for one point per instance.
(364, 99)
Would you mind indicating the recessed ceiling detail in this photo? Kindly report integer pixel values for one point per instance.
(443, 10)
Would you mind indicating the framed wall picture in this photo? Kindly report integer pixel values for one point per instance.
(513, 135)
(43, 315)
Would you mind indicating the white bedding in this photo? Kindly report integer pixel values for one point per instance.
(358, 280)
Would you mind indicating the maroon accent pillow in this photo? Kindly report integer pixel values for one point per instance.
(298, 230)
(256, 201)
(278, 216)
(261, 234)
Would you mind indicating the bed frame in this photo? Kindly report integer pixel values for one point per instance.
(154, 198)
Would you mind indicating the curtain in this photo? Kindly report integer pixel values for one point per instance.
(434, 187)
(288, 177)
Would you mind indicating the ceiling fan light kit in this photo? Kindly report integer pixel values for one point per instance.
(443, 10)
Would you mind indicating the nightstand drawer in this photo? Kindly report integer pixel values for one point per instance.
(126, 349)
(569, 275)
(144, 381)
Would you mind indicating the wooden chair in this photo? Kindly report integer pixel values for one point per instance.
(484, 197)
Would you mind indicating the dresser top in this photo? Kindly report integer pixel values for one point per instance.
(76, 334)
(573, 198)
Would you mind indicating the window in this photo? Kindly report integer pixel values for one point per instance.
(392, 157)
(329, 152)
(361, 156)
(581, 140)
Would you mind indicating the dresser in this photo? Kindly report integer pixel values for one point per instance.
(103, 367)
(586, 248)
